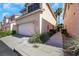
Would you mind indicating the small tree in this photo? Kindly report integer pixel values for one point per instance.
(60, 26)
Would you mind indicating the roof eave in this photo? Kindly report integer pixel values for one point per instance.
(51, 10)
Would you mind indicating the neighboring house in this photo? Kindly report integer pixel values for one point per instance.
(6, 23)
(71, 18)
(13, 21)
(37, 18)
(9, 23)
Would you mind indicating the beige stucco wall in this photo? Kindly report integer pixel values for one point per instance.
(46, 26)
(71, 19)
(33, 18)
(47, 15)
(47, 19)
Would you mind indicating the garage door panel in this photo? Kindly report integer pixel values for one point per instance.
(26, 29)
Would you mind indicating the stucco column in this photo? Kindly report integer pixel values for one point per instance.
(40, 24)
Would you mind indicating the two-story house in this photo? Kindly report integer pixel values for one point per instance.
(36, 18)
(9, 22)
(5, 23)
(71, 18)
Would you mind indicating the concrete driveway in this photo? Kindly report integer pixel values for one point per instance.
(21, 45)
(13, 41)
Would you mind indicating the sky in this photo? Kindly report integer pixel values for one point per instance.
(8, 9)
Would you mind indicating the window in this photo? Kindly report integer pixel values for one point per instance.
(30, 8)
(33, 7)
(11, 19)
(71, 3)
(36, 6)
(74, 13)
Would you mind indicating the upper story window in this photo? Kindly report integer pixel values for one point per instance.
(33, 7)
(71, 3)
(11, 19)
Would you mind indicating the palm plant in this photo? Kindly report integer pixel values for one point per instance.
(57, 14)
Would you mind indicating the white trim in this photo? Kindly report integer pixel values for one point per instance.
(40, 24)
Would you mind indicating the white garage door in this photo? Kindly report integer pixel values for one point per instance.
(26, 29)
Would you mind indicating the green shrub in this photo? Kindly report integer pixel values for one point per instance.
(51, 32)
(39, 38)
(76, 52)
(5, 33)
(35, 38)
(13, 32)
(8, 32)
(73, 43)
(44, 37)
(64, 31)
(2, 34)
(59, 26)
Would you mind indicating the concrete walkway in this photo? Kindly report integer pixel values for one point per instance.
(41, 50)
(56, 40)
